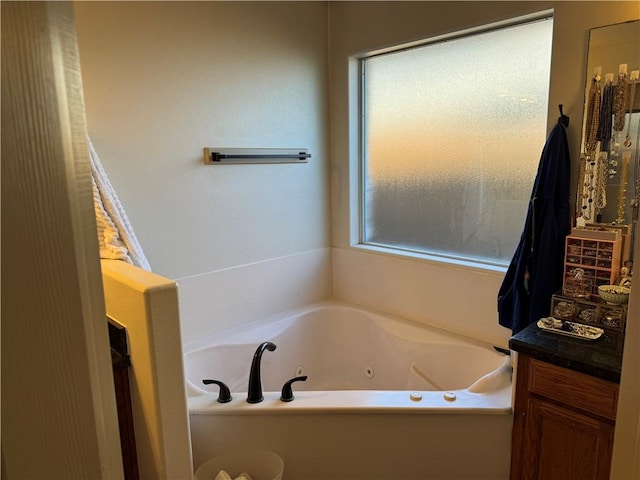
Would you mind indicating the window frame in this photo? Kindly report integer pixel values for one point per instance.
(397, 251)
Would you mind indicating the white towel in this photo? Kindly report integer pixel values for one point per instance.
(115, 234)
(223, 475)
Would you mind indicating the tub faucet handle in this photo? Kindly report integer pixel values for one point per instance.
(287, 391)
(225, 395)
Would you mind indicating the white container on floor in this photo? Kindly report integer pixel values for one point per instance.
(260, 464)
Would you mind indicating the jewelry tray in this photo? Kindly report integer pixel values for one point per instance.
(578, 330)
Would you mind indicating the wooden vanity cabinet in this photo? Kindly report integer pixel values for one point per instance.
(125, 421)
(563, 423)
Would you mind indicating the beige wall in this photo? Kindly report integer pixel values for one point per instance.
(390, 23)
(393, 23)
(162, 80)
(415, 287)
(119, 43)
(59, 417)
(626, 446)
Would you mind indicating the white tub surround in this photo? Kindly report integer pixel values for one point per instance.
(217, 301)
(456, 298)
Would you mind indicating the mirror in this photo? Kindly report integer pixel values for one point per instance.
(608, 190)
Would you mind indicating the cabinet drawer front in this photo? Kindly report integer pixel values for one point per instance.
(575, 389)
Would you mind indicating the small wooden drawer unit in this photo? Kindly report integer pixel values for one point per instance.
(589, 263)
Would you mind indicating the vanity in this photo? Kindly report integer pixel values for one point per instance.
(565, 405)
(120, 364)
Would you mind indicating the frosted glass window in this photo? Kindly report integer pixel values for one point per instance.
(452, 137)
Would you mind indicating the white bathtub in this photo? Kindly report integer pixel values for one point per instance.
(385, 397)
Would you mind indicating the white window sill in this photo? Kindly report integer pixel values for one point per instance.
(433, 259)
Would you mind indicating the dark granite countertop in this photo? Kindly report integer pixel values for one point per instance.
(600, 358)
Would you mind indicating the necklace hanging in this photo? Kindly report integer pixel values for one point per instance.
(627, 138)
(588, 165)
(622, 194)
(593, 113)
(637, 162)
(635, 201)
(620, 103)
(581, 207)
(601, 184)
(606, 114)
(589, 179)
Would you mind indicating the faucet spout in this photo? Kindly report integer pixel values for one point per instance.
(254, 394)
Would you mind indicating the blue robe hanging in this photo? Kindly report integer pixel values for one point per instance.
(535, 272)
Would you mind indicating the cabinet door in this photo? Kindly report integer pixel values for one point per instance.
(563, 444)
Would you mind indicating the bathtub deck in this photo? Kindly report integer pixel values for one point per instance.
(358, 401)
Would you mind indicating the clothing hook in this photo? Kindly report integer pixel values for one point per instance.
(564, 119)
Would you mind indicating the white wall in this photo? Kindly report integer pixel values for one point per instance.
(59, 417)
(626, 445)
(389, 23)
(162, 80)
(151, 121)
